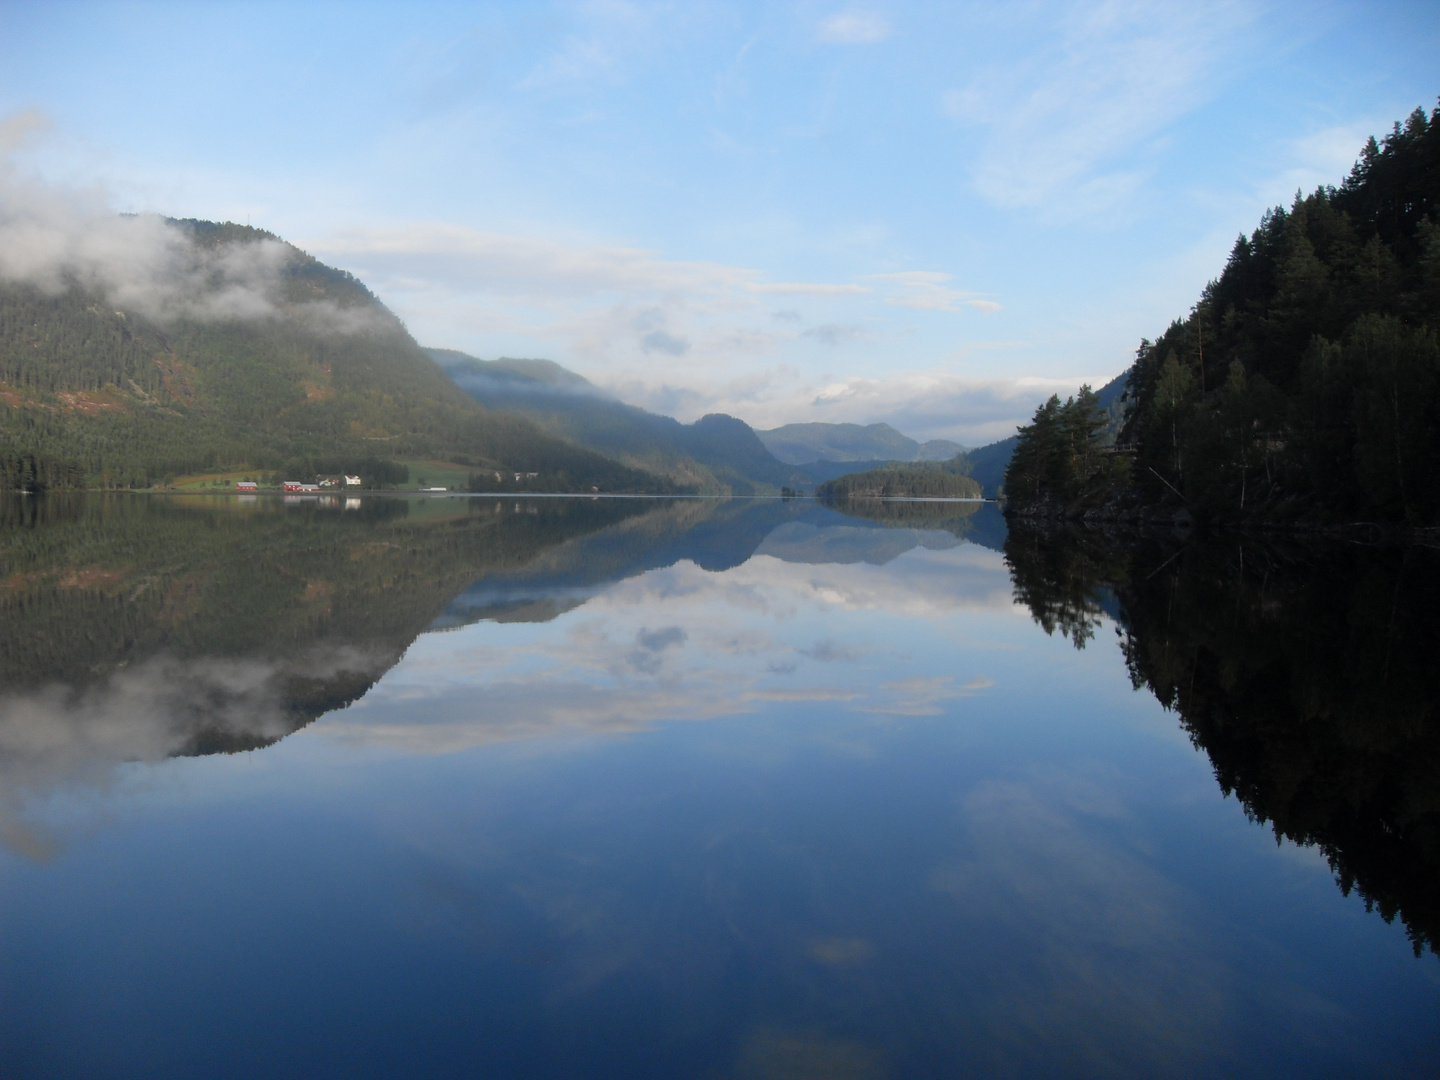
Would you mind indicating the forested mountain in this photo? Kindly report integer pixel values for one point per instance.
(802, 444)
(1304, 384)
(716, 454)
(245, 353)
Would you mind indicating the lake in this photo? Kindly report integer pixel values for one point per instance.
(707, 788)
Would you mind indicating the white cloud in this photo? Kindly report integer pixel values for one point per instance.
(53, 238)
(686, 338)
(926, 291)
(797, 288)
(526, 268)
(836, 333)
(937, 403)
(854, 28)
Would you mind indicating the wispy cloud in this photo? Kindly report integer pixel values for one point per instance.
(937, 403)
(1065, 124)
(799, 288)
(925, 290)
(854, 28)
(521, 267)
(836, 333)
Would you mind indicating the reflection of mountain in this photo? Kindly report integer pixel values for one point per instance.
(145, 627)
(803, 542)
(713, 534)
(140, 628)
(1306, 674)
(980, 523)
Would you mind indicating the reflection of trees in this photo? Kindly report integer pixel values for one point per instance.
(1064, 577)
(1305, 673)
(954, 517)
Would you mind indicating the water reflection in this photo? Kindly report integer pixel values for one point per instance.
(136, 629)
(1305, 672)
(681, 788)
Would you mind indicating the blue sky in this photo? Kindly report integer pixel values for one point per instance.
(926, 214)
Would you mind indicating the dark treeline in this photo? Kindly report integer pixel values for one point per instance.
(1305, 384)
(1305, 673)
(918, 480)
(1061, 456)
(958, 519)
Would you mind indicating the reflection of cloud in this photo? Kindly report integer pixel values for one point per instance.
(655, 640)
(842, 952)
(679, 643)
(801, 695)
(774, 1053)
(56, 736)
(922, 696)
(830, 651)
(1041, 879)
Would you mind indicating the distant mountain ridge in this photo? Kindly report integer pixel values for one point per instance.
(803, 444)
(717, 454)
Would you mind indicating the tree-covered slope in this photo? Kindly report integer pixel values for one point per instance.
(918, 480)
(1305, 383)
(990, 463)
(242, 351)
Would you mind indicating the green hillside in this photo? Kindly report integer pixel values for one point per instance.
(316, 375)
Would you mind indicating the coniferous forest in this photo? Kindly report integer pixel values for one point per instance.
(1304, 386)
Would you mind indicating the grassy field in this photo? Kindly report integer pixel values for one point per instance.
(213, 481)
(438, 474)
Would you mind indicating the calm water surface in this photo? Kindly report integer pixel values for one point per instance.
(705, 788)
